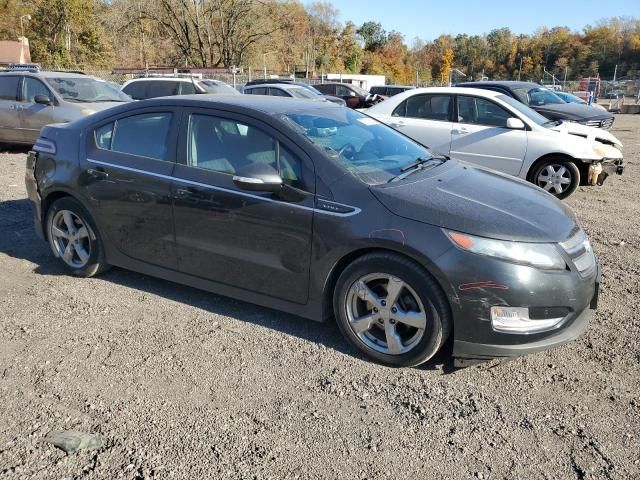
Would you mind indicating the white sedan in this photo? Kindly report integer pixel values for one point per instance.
(492, 130)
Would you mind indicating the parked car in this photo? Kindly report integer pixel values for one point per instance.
(33, 98)
(547, 103)
(614, 95)
(283, 90)
(493, 130)
(355, 96)
(261, 81)
(316, 210)
(152, 87)
(570, 98)
(389, 90)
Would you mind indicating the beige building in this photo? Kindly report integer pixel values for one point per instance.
(12, 51)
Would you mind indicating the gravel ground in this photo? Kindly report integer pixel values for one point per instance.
(181, 383)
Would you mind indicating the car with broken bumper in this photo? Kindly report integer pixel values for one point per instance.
(320, 211)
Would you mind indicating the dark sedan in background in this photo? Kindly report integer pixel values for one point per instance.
(355, 96)
(320, 211)
(547, 103)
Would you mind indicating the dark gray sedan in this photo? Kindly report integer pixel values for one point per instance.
(320, 211)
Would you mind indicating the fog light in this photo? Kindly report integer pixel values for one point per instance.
(516, 320)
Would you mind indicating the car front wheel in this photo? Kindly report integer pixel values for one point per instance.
(558, 176)
(389, 308)
(73, 238)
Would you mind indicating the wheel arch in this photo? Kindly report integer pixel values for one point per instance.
(344, 261)
(53, 195)
(547, 156)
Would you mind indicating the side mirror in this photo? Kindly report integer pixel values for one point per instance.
(258, 177)
(42, 99)
(515, 123)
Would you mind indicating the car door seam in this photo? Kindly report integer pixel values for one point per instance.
(355, 211)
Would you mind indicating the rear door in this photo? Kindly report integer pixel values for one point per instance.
(481, 136)
(34, 116)
(9, 109)
(127, 177)
(427, 119)
(250, 240)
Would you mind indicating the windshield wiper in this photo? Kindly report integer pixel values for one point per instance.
(418, 165)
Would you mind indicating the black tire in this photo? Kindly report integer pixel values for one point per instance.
(95, 263)
(571, 172)
(436, 307)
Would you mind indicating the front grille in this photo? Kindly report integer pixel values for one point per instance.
(607, 123)
(579, 250)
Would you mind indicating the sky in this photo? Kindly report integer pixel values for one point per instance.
(428, 19)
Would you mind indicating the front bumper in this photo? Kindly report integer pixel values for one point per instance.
(481, 283)
(483, 351)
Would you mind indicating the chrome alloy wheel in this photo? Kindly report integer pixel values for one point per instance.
(555, 177)
(71, 238)
(385, 313)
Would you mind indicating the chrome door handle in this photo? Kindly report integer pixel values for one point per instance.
(398, 123)
(460, 130)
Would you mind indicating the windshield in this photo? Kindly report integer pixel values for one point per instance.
(523, 109)
(301, 92)
(219, 88)
(567, 97)
(359, 90)
(86, 89)
(365, 147)
(537, 96)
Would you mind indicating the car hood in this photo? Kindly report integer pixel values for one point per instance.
(480, 202)
(590, 133)
(571, 111)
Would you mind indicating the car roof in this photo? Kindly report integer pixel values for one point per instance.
(173, 79)
(284, 86)
(503, 83)
(263, 103)
(450, 90)
(46, 73)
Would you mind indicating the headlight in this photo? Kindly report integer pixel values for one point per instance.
(540, 255)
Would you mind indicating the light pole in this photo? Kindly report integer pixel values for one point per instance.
(23, 17)
(264, 61)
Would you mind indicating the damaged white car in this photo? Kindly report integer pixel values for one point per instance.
(492, 130)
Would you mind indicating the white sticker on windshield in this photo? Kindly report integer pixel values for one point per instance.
(367, 121)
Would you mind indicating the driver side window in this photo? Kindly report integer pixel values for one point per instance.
(227, 146)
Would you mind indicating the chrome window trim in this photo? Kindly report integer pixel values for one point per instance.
(355, 211)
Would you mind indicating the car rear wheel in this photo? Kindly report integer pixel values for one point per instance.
(558, 176)
(73, 238)
(389, 308)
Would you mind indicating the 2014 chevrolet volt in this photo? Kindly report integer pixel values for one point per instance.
(320, 211)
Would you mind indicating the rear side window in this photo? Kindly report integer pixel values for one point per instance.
(345, 91)
(326, 89)
(143, 135)
(136, 90)
(9, 88)
(428, 107)
(257, 91)
(162, 89)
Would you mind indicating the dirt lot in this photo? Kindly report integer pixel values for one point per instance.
(181, 383)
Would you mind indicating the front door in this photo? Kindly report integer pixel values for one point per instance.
(481, 136)
(127, 179)
(34, 116)
(249, 240)
(10, 109)
(427, 119)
